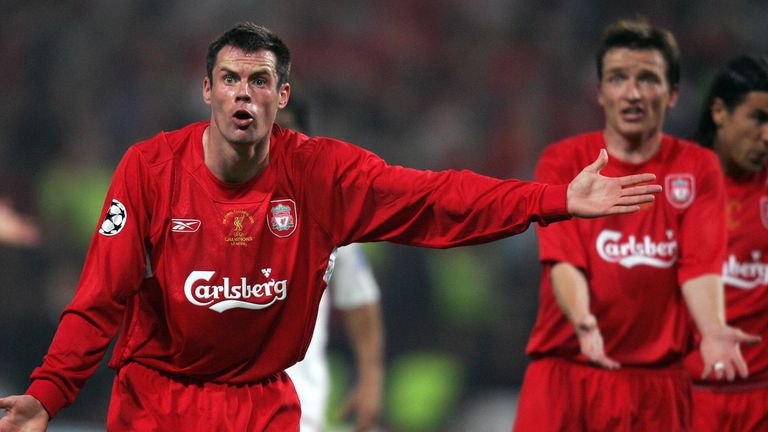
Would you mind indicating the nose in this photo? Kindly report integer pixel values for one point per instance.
(243, 92)
(632, 90)
(764, 133)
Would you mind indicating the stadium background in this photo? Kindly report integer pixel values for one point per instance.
(482, 84)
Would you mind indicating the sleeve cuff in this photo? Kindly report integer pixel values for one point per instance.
(553, 204)
(49, 395)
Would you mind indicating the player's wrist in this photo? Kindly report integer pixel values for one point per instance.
(584, 323)
(712, 330)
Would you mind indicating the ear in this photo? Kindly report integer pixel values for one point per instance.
(674, 93)
(599, 91)
(285, 93)
(207, 90)
(718, 111)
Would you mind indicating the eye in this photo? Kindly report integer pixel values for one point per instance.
(615, 79)
(229, 79)
(261, 82)
(650, 79)
(760, 116)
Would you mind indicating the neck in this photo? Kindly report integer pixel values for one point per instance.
(733, 171)
(634, 149)
(233, 162)
(730, 168)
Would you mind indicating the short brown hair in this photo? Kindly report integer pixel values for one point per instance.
(250, 38)
(638, 34)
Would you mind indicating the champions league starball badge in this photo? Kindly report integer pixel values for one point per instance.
(114, 220)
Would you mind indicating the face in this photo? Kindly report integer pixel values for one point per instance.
(244, 96)
(741, 139)
(634, 92)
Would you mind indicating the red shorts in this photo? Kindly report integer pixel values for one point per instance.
(560, 395)
(144, 399)
(730, 410)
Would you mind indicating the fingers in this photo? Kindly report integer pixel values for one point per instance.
(741, 365)
(729, 372)
(591, 342)
(607, 363)
(650, 190)
(637, 179)
(748, 338)
(620, 209)
(6, 402)
(599, 163)
(346, 409)
(364, 422)
(635, 200)
(720, 370)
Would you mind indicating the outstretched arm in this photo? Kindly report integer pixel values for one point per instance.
(720, 343)
(23, 413)
(592, 195)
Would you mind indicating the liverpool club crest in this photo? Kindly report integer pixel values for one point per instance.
(282, 217)
(680, 189)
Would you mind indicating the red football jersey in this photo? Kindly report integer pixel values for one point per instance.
(634, 264)
(221, 282)
(745, 272)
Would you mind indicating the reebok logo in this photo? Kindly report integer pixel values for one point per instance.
(185, 225)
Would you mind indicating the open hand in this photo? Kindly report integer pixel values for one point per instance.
(721, 353)
(591, 342)
(23, 414)
(364, 402)
(592, 195)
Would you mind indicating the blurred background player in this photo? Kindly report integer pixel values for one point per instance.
(734, 123)
(612, 328)
(354, 291)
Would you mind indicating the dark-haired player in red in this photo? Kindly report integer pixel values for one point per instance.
(612, 329)
(215, 246)
(734, 123)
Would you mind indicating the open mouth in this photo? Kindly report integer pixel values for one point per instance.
(242, 119)
(633, 113)
(756, 158)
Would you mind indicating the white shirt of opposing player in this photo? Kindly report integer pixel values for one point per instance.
(352, 285)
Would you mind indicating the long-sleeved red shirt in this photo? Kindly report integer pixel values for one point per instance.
(221, 282)
(634, 264)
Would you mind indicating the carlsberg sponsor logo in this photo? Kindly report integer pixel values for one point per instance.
(632, 251)
(745, 275)
(232, 294)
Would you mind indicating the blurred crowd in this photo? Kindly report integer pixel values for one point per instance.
(450, 84)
